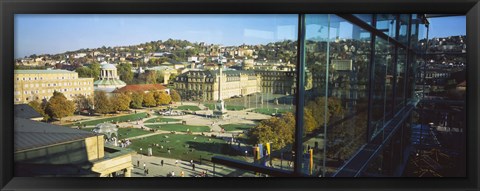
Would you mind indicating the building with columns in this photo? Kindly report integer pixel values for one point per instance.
(203, 84)
(109, 80)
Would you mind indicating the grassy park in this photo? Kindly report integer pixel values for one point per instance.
(161, 119)
(123, 118)
(180, 128)
(188, 108)
(183, 147)
(124, 133)
(269, 111)
(237, 127)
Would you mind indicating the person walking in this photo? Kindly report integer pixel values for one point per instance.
(161, 162)
(144, 166)
(193, 167)
(182, 174)
(138, 163)
(176, 162)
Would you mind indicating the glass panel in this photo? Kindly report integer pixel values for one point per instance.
(400, 79)
(387, 24)
(382, 85)
(414, 32)
(403, 30)
(365, 17)
(338, 54)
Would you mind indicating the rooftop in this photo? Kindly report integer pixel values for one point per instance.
(32, 134)
(108, 66)
(25, 111)
(109, 82)
(43, 72)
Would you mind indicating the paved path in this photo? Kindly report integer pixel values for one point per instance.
(153, 164)
(155, 168)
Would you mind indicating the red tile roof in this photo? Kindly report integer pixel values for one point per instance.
(140, 87)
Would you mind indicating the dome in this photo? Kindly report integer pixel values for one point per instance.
(108, 66)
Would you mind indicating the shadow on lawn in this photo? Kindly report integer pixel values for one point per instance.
(214, 148)
(238, 127)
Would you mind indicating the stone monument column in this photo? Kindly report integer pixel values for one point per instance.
(220, 107)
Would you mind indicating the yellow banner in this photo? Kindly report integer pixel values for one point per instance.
(311, 161)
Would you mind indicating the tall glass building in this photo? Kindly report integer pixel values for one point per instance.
(357, 91)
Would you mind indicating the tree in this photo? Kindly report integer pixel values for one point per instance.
(84, 72)
(162, 98)
(309, 120)
(137, 100)
(151, 77)
(317, 108)
(95, 67)
(102, 103)
(37, 106)
(277, 130)
(82, 103)
(175, 96)
(125, 72)
(58, 106)
(121, 102)
(149, 100)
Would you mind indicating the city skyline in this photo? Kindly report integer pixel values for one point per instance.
(47, 34)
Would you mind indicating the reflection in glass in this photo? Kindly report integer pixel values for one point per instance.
(338, 99)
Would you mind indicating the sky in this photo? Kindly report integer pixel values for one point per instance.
(53, 34)
(447, 26)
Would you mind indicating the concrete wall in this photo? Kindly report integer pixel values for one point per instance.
(95, 147)
(69, 153)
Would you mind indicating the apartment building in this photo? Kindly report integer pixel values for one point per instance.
(40, 84)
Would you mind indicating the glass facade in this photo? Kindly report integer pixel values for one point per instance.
(338, 55)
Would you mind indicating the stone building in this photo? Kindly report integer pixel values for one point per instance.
(278, 82)
(203, 84)
(40, 84)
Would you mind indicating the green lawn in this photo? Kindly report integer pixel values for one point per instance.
(234, 107)
(124, 133)
(210, 106)
(269, 111)
(131, 117)
(184, 147)
(188, 107)
(237, 127)
(180, 128)
(161, 119)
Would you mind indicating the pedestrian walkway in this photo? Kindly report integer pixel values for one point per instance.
(153, 164)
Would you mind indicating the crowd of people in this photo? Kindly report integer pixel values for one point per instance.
(125, 143)
(143, 166)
